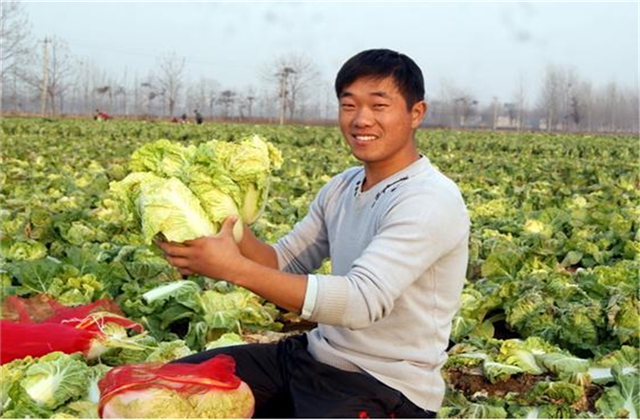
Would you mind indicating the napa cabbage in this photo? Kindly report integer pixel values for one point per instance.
(55, 379)
(184, 193)
(225, 340)
(163, 403)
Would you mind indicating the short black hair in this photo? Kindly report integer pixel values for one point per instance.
(381, 63)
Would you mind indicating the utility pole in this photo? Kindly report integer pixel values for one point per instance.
(495, 113)
(250, 100)
(284, 76)
(124, 93)
(45, 76)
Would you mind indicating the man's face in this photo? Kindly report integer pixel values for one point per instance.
(376, 123)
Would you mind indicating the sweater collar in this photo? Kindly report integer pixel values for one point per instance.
(419, 166)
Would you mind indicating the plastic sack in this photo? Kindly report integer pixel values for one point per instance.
(176, 390)
(42, 308)
(22, 340)
(58, 328)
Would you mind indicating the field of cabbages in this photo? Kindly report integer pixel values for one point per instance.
(548, 326)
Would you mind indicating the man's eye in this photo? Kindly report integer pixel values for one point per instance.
(347, 106)
(380, 106)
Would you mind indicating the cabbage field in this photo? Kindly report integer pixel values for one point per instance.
(549, 322)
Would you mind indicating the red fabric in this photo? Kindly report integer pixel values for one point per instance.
(216, 373)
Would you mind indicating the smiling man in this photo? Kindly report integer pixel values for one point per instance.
(396, 231)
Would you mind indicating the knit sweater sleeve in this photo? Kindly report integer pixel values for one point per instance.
(411, 237)
(303, 250)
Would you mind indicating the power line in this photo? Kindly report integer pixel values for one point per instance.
(138, 53)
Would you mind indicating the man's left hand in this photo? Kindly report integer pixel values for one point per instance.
(213, 256)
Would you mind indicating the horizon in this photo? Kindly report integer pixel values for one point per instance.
(490, 47)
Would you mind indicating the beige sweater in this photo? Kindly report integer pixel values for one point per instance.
(399, 255)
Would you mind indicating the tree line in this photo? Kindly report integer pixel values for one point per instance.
(44, 77)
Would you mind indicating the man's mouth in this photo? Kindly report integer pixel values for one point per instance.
(365, 137)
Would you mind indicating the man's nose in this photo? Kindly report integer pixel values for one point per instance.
(363, 118)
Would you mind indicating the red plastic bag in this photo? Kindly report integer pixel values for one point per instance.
(175, 390)
(58, 328)
(41, 308)
(22, 340)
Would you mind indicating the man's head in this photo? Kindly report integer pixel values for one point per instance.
(380, 94)
(382, 63)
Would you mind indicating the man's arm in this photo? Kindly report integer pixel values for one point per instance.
(254, 249)
(255, 265)
(284, 289)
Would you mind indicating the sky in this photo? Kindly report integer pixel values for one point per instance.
(483, 48)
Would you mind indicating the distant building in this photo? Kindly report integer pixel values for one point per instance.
(504, 122)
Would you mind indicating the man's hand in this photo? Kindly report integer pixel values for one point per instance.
(219, 257)
(215, 257)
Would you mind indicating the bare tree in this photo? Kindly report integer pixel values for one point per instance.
(610, 101)
(633, 110)
(454, 107)
(113, 93)
(121, 94)
(465, 108)
(550, 102)
(584, 92)
(245, 103)
(495, 107)
(249, 100)
(520, 101)
(267, 104)
(170, 78)
(620, 108)
(330, 103)
(15, 44)
(227, 99)
(293, 75)
(87, 78)
(571, 103)
(51, 74)
(137, 95)
(203, 95)
(150, 92)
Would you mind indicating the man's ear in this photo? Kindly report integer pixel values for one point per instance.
(418, 111)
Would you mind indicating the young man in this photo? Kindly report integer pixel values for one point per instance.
(396, 231)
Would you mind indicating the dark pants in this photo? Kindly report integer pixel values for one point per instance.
(288, 382)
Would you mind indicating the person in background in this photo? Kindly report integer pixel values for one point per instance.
(396, 230)
(198, 116)
(100, 116)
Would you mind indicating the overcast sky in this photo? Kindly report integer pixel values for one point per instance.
(481, 47)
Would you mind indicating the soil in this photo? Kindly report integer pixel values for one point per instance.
(292, 322)
(572, 269)
(502, 331)
(267, 337)
(593, 392)
(470, 383)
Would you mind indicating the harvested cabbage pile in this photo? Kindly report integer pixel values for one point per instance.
(186, 192)
(179, 390)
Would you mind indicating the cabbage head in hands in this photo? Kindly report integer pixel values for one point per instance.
(186, 192)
